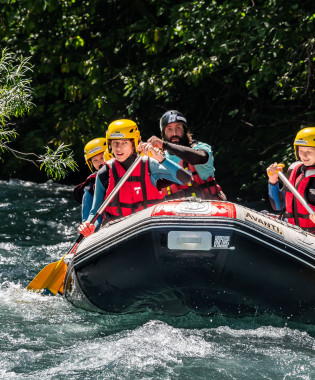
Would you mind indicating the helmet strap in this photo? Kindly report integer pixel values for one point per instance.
(90, 165)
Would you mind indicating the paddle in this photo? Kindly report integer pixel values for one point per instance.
(295, 192)
(52, 276)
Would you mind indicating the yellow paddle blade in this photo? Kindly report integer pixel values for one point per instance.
(51, 277)
(60, 291)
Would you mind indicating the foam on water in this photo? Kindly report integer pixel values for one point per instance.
(80, 346)
(44, 337)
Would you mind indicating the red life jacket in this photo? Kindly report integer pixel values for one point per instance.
(88, 184)
(136, 193)
(295, 212)
(205, 189)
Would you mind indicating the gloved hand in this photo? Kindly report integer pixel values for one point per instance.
(86, 229)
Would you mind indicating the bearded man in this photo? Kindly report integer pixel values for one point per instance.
(195, 156)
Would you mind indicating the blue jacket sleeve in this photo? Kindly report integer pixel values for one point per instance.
(99, 196)
(276, 197)
(205, 170)
(168, 170)
(87, 201)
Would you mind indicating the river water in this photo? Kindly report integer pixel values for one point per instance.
(43, 337)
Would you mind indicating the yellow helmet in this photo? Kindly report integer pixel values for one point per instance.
(107, 154)
(94, 147)
(123, 129)
(305, 137)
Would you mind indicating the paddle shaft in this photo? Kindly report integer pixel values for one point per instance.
(52, 276)
(109, 198)
(295, 192)
(116, 189)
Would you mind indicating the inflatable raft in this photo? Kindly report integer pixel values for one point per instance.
(195, 255)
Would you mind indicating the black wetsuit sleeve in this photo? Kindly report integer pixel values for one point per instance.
(78, 192)
(187, 154)
(161, 183)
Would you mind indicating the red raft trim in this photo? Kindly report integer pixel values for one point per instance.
(182, 208)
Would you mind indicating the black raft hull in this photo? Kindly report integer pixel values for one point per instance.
(205, 257)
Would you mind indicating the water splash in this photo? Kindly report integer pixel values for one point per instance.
(45, 337)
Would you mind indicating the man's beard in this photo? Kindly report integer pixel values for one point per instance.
(181, 140)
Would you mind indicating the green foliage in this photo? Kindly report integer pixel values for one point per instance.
(6, 135)
(57, 162)
(15, 89)
(15, 101)
(241, 71)
(15, 94)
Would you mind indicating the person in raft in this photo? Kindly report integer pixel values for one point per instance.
(140, 190)
(95, 154)
(190, 154)
(301, 174)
